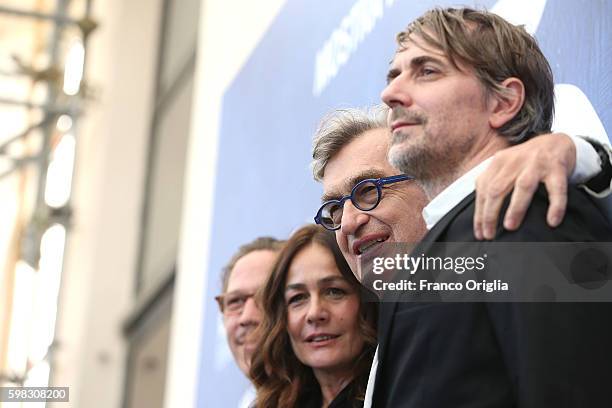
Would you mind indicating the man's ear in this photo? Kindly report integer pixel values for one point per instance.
(507, 104)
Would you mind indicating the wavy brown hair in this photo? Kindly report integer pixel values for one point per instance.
(280, 378)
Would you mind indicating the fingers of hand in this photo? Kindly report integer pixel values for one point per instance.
(494, 198)
(491, 188)
(524, 189)
(556, 185)
(521, 168)
(480, 199)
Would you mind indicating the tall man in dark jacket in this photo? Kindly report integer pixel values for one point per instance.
(463, 85)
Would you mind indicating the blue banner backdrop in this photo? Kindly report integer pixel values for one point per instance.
(264, 185)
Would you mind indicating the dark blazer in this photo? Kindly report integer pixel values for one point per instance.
(500, 354)
(344, 399)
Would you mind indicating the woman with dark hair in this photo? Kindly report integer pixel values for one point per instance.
(318, 335)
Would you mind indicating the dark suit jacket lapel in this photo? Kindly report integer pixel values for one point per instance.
(387, 309)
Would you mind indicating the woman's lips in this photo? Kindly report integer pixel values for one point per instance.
(321, 340)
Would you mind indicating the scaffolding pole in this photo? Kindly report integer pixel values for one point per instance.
(52, 108)
(60, 18)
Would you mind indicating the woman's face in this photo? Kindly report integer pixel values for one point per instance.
(322, 312)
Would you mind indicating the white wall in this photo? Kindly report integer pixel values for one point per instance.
(99, 274)
(229, 31)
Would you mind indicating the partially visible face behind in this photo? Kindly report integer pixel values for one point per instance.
(248, 275)
(397, 218)
(439, 115)
(322, 312)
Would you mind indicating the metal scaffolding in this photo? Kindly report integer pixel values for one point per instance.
(56, 104)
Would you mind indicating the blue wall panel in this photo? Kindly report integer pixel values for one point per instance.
(263, 184)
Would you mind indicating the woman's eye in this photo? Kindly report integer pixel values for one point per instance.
(336, 292)
(296, 299)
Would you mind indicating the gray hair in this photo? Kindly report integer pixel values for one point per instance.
(340, 127)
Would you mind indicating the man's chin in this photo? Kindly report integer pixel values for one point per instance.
(387, 249)
(245, 363)
(352, 262)
(396, 155)
(249, 350)
(354, 268)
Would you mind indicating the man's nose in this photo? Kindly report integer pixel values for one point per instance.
(250, 315)
(352, 218)
(396, 93)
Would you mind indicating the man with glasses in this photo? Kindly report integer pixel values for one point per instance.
(350, 160)
(242, 277)
(350, 147)
(367, 201)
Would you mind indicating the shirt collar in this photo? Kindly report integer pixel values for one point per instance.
(452, 195)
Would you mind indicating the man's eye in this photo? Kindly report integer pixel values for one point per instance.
(427, 71)
(335, 212)
(368, 191)
(392, 75)
(235, 302)
(366, 194)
